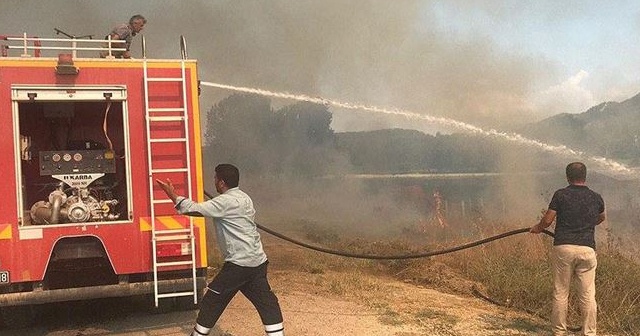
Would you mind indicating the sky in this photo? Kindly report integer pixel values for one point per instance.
(495, 64)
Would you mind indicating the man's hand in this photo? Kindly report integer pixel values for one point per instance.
(546, 221)
(536, 229)
(168, 189)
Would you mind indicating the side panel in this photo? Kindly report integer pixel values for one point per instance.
(8, 206)
(25, 251)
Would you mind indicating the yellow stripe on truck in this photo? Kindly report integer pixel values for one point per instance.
(145, 225)
(5, 231)
(162, 223)
(200, 224)
(170, 223)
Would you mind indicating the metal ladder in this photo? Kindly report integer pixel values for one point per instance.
(157, 116)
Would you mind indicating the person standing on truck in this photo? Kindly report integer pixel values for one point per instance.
(577, 210)
(245, 263)
(122, 35)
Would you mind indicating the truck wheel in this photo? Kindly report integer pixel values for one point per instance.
(17, 317)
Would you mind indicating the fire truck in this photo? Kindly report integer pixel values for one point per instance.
(84, 139)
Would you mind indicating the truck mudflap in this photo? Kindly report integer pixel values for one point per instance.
(97, 292)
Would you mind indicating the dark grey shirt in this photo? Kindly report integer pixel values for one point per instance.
(578, 209)
(125, 33)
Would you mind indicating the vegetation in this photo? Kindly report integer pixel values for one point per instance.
(609, 129)
(296, 142)
(513, 272)
(406, 151)
(293, 141)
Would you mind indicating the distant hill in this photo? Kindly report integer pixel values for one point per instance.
(411, 151)
(610, 129)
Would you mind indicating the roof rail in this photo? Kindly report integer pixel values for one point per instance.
(183, 47)
(72, 45)
(143, 41)
(60, 44)
(5, 48)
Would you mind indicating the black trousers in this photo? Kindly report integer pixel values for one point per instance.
(251, 281)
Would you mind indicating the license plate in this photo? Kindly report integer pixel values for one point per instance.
(4, 277)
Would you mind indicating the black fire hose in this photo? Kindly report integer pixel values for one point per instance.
(399, 256)
(394, 257)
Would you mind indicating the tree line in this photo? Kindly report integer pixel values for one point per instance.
(297, 141)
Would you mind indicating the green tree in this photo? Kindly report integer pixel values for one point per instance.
(240, 131)
(296, 140)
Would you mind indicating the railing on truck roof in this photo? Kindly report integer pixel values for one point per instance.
(26, 44)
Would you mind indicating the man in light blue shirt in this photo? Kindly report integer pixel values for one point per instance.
(245, 267)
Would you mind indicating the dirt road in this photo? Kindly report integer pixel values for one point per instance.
(316, 301)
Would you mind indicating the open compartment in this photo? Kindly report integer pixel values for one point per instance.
(73, 153)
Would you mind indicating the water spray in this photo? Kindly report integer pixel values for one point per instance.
(604, 163)
(601, 162)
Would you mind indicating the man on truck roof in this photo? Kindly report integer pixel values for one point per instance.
(122, 35)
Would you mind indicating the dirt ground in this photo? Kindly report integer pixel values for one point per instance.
(320, 301)
(382, 307)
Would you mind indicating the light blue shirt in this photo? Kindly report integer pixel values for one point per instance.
(233, 214)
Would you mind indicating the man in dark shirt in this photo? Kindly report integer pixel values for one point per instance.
(577, 210)
(122, 36)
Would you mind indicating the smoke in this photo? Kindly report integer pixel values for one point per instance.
(427, 56)
(567, 95)
(384, 53)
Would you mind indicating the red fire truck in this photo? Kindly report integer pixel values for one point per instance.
(84, 140)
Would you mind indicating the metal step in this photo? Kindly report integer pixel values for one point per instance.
(159, 232)
(174, 237)
(174, 263)
(169, 170)
(176, 118)
(167, 140)
(177, 294)
(162, 201)
(164, 79)
(166, 109)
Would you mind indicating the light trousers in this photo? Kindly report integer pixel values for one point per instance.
(578, 261)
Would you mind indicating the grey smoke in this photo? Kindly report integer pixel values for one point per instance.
(385, 53)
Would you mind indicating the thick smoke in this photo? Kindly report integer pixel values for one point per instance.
(385, 53)
(401, 54)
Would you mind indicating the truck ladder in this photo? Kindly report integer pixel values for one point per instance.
(157, 116)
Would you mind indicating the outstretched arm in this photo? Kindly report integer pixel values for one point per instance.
(189, 207)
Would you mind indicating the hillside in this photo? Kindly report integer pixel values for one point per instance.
(610, 129)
